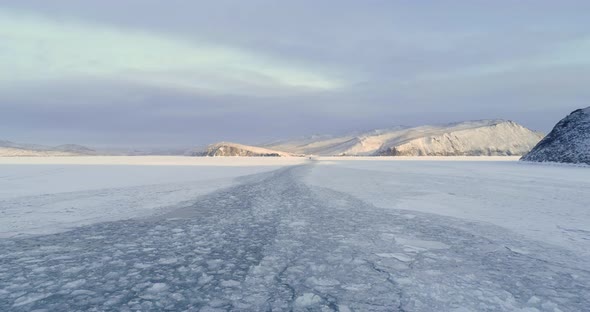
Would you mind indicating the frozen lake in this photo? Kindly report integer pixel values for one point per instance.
(329, 234)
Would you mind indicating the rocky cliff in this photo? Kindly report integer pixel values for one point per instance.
(568, 142)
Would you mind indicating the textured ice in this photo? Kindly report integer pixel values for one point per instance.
(547, 203)
(307, 299)
(420, 244)
(275, 243)
(399, 256)
(39, 198)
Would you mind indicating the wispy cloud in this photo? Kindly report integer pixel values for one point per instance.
(36, 48)
(88, 71)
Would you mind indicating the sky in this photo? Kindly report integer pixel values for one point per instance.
(181, 73)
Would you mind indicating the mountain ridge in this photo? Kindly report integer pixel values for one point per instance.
(469, 138)
(12, 149)
(236, 149)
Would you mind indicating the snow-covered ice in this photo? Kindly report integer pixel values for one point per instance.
(544, 202)
(42, 195)
(328, 235)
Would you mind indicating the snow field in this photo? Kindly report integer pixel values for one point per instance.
(43, 195)
(330, 235)
(545, 203)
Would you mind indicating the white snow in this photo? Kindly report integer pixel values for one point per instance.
(157, 288)
(74, 284)
(19, 152)
(545, 203)
(420, 244)
(480, 137)
(307, 299)
(375, 234)
(42, 195)
(32, 297)
(504, 138)
(234, 149)
(399, 256)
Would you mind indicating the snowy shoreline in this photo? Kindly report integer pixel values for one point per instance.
(223, 161)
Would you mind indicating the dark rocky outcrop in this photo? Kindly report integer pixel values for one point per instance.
(234, 149)
(568, 142)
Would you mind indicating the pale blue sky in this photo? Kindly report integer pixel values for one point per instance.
(182, 73)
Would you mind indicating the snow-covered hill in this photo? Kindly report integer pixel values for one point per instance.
(11, 149)
(74, 148)
(4, 143)
(503, 138)
(18, 152)
(482, 137)
(471, 138)
(234, 149)
(568, 142)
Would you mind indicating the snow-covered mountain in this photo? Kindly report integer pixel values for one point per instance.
(74, 148)
(10, 144)
(471, 138)
(8, 148)
(234, 149)
(482, 137)
(568, 142)
(19, 152)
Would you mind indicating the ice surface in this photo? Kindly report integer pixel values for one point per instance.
(276, 243)
(38, 196)
(29, 176)
(546, 203)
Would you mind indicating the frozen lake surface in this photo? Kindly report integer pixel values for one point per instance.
(323, 235)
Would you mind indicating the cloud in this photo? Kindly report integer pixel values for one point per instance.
(35, 48)
(195, 72)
